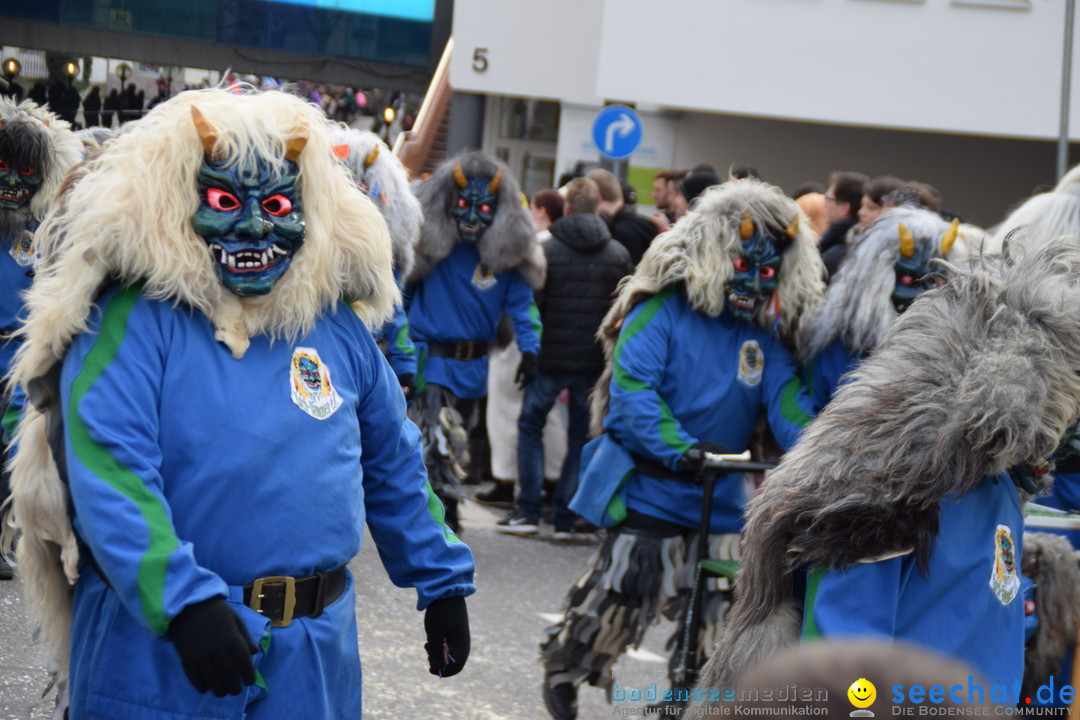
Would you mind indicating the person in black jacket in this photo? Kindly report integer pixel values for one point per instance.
(635, 232)
(584, 266)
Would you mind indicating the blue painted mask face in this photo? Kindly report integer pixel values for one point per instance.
(755, 276)
(914, 276)
(18, 183)
(475, 208)
(252, 223)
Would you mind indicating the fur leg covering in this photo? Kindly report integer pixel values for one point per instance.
(631, 578)
(1051, 562)
(446, 440)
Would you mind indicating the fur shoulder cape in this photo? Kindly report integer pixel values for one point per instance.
(975, 377)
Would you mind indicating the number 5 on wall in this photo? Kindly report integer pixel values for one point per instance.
(479, 59)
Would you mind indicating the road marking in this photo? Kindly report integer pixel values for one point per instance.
(644, 655)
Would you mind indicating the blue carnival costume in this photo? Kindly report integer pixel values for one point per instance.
(655, 413)
(968, 604)
(151, 485)
(477, 260)
(208, 403)
(459, 301)
(693, 358)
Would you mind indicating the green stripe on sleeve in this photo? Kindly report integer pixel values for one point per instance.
(435, 507)
(813, 581)
(669, 432)
(534, 315)
(11, 420)
(163, 541)
(402, 342)
(789, 403)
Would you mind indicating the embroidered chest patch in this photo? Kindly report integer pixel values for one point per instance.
(310, 385)
(1004, 580)
(482, 277)
(751, 363)
(22, 250)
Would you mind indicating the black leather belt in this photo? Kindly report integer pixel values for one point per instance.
(281, 599)
(461, 350)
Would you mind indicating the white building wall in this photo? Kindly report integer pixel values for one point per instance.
(939, 65)
(963, 94)
(932, 65)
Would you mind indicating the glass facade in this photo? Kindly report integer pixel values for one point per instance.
(380, 30)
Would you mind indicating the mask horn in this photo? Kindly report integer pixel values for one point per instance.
(207, 132)
(370, 159)
(296, 144)
(907, 241)
(746, 226)
(459, 176)
(950, 236)
(495, 181)
(793, 229)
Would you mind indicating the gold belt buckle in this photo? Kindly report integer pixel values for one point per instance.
(464, 350)
(290, 598)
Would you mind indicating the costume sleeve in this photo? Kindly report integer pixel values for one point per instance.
(521, 307)
(862, 600)
(785, 397)
(404, 516)
(110, 390)
(639, 417)
(400, 350)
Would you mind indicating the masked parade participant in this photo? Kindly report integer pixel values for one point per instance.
(477, 259)
(37, 149)
(386, 181)
(895, 261)
(898, 497)
(695, 346)
(223, 423)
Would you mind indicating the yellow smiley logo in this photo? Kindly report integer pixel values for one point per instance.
(862, 693)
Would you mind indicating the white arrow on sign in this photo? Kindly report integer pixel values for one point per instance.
(623, 126)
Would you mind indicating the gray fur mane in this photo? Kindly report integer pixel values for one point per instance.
(509, 241)
(857, 309)
(977, 376)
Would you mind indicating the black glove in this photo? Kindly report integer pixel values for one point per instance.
(695, 456)
(408, 385)
(214, 647)
(446, 622)
(527, 370)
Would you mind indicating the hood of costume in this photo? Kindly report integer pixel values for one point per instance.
(980, 375)
(381, 174)
(697, 253)
(582, 231)
(1042, 217)
(33, 137)
(127, 218)
(510, 240)
(858, 307)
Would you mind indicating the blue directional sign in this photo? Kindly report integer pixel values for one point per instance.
(617, 131)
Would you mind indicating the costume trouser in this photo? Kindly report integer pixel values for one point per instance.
(540, 395)
(122, 671)
(445, 421)
(636, 575)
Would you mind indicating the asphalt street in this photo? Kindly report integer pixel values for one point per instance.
(522, 583)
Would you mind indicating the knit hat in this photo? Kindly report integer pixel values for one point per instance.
(696, 183)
